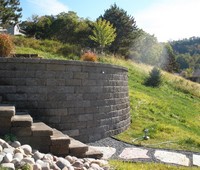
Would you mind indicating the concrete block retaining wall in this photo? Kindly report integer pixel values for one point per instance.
(88, 101)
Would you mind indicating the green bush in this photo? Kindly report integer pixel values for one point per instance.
(6, 45)
(154, 79)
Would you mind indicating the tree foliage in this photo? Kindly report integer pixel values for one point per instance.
(125, 28)
(103, 33)
(155, 78)
(168, 62)
(10, 12)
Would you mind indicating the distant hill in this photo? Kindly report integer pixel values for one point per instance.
(190, 46)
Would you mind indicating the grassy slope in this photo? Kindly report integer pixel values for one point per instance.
(171, 112)
(118, 165)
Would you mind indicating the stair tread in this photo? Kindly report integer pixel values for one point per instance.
(93, 153)
(7, 110)
(77, 148)
(22, 120)
(41, 129)
(59, 138)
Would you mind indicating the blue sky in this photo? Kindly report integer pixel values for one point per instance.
(166, 19)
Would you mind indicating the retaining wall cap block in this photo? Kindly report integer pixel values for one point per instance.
(7, 111)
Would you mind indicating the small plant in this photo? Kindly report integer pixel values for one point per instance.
(10, 137)
(154, 79)
(6, 45)
(89, 56)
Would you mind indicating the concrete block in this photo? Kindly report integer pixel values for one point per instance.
(55, 67)
(80, 75)
(8, 89)
(59, 150)
(72, 133)
(7, 111)
(85, 117)
(21, 131)
(21, 121)
(55, 82)
(35, 66)
(45, 74)
(35, 82)
(41, 129)
(72, 82)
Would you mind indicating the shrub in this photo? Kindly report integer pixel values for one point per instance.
(6, 45)
(154, 79)
(89, 56)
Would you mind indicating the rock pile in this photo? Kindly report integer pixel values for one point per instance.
(13, 155)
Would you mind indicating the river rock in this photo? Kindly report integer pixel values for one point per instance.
(2, 142)
(27, 149)
(19, 156)
(7, 158)
(37, 155)
(61, 163)
(28, 160)
(78, 164)
(37, 167)
(9, 166)
(16, 144)
(70, 159)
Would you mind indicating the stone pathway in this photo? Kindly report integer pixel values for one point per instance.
(130, 152)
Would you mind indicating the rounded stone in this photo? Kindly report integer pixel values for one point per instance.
(95, 166)
(78, 164)
(16, 144)
(61, 163)
(19, 156)
(28, 160)
(70, 159)
(19, 150)
(2, 142)
(7, 158)
(37, 155)
(27, 149)
(37, 167)
(1, 149)
(6, 145)
(9, 166)
(9, 150)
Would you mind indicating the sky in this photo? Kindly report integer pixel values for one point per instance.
(165, 19)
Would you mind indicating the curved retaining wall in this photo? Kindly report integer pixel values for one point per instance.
(88, 101)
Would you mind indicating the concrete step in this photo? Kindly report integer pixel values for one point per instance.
(77, 148)
(41, 129)
(59, 143)
(21, 120)
(93, 153)
(7, 111)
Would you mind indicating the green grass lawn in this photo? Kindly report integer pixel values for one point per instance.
(119, 165)
(170, 112)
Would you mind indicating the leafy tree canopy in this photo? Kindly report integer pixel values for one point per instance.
(103, 33)
(10, 12)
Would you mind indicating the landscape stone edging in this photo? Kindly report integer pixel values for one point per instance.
(85, 100)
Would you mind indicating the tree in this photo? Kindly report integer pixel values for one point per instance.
(10, 12)
(154, 79)
(103, 33)
(126, 29)
(168, 62)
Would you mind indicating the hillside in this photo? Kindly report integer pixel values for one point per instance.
(170, 112)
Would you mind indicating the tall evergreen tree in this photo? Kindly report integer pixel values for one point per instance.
(10, 12)
(125, 28)
(168, 62)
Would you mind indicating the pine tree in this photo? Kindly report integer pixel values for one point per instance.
(10, 12)
(154, 79)
(125, 28)
(168, 62)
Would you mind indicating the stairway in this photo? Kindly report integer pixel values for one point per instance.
(40, 136)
